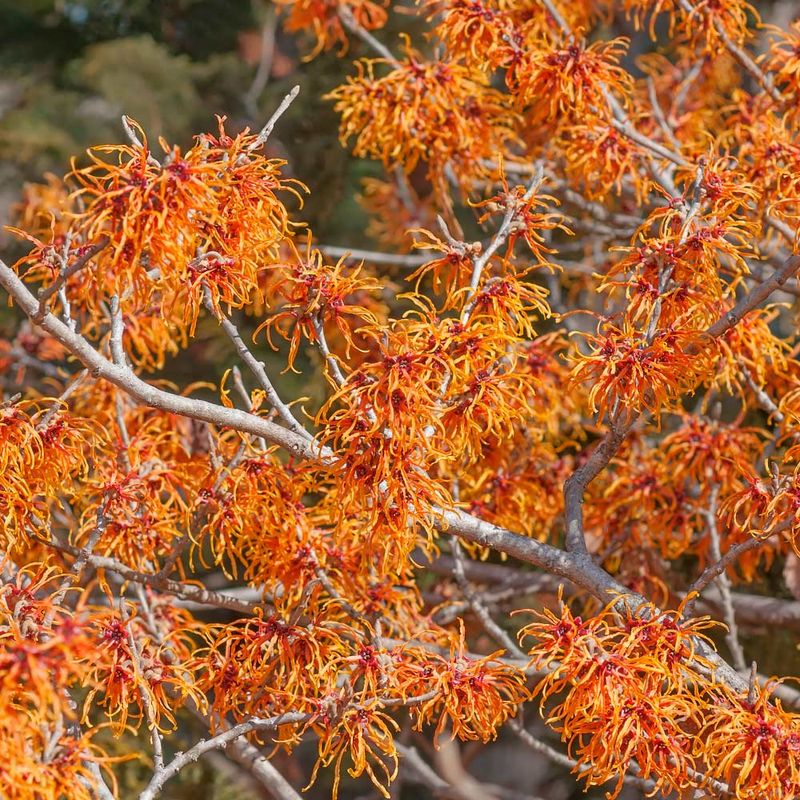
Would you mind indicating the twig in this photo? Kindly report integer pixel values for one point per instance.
(491, 627)
(221, 740)
(137, 142)
(334, 370)
(579, 480)
(659, 114)
(353, 253)
(264, 62)
(350, 22)
(196, 594)
(724, 583)
(256, 367)
(479, 262)
(45, 421)
(265, 132)
(144, 695)
(712, 571)
(66, 273)
(117, 331)
(754, 298)
(762, 398)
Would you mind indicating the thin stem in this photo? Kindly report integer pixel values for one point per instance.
(724, 583)
(196, 594)
(355, 254)
(334, 370)
(350, 22)
(491, 627)
(66, 273)
(256, 367)
(266, 131)
(221, 740)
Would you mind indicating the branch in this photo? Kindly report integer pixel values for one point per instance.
(712, 571)
(354, 254)
(65, 274)
(123, 377)
(334, 370)
(576, 484)
(629, 132)
(765, 402)
(144, 694)
(754, 298)
(350, 22)
(479, 263)
(724, 584)
(265, 132)
(576, 567)
(762, 78)
(250, 757)
(221, 740)
(424, 773)
(195, 594)
(490, 626)
(256, 367)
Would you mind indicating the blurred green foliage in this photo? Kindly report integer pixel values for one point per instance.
(69, 70)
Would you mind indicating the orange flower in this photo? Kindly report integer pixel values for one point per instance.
(366, 735)
(625, 691)
(754, 746)
(310, 294)
(628, 374)
(323, 18)
(703, 22)
(439, 112)
(479, 32)
(555, 84)
(473, 697)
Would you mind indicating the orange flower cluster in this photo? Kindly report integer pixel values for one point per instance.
(41, 450)
(629, 371)
(442, 112)
(310, 295)
(656, 501)
(131, 674)
(630, 690)
(581, 360)
(705, 22)
(325, 19)
(563, 82)
(753, 746)
(47, 651)
(472, 696)
(164, 232)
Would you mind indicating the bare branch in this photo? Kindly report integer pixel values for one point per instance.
(265, 132)
(65, 274)
(256, 367)
(354, 254)
(221, 740)
(724, 583)
(490, 626)
(350, 22)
